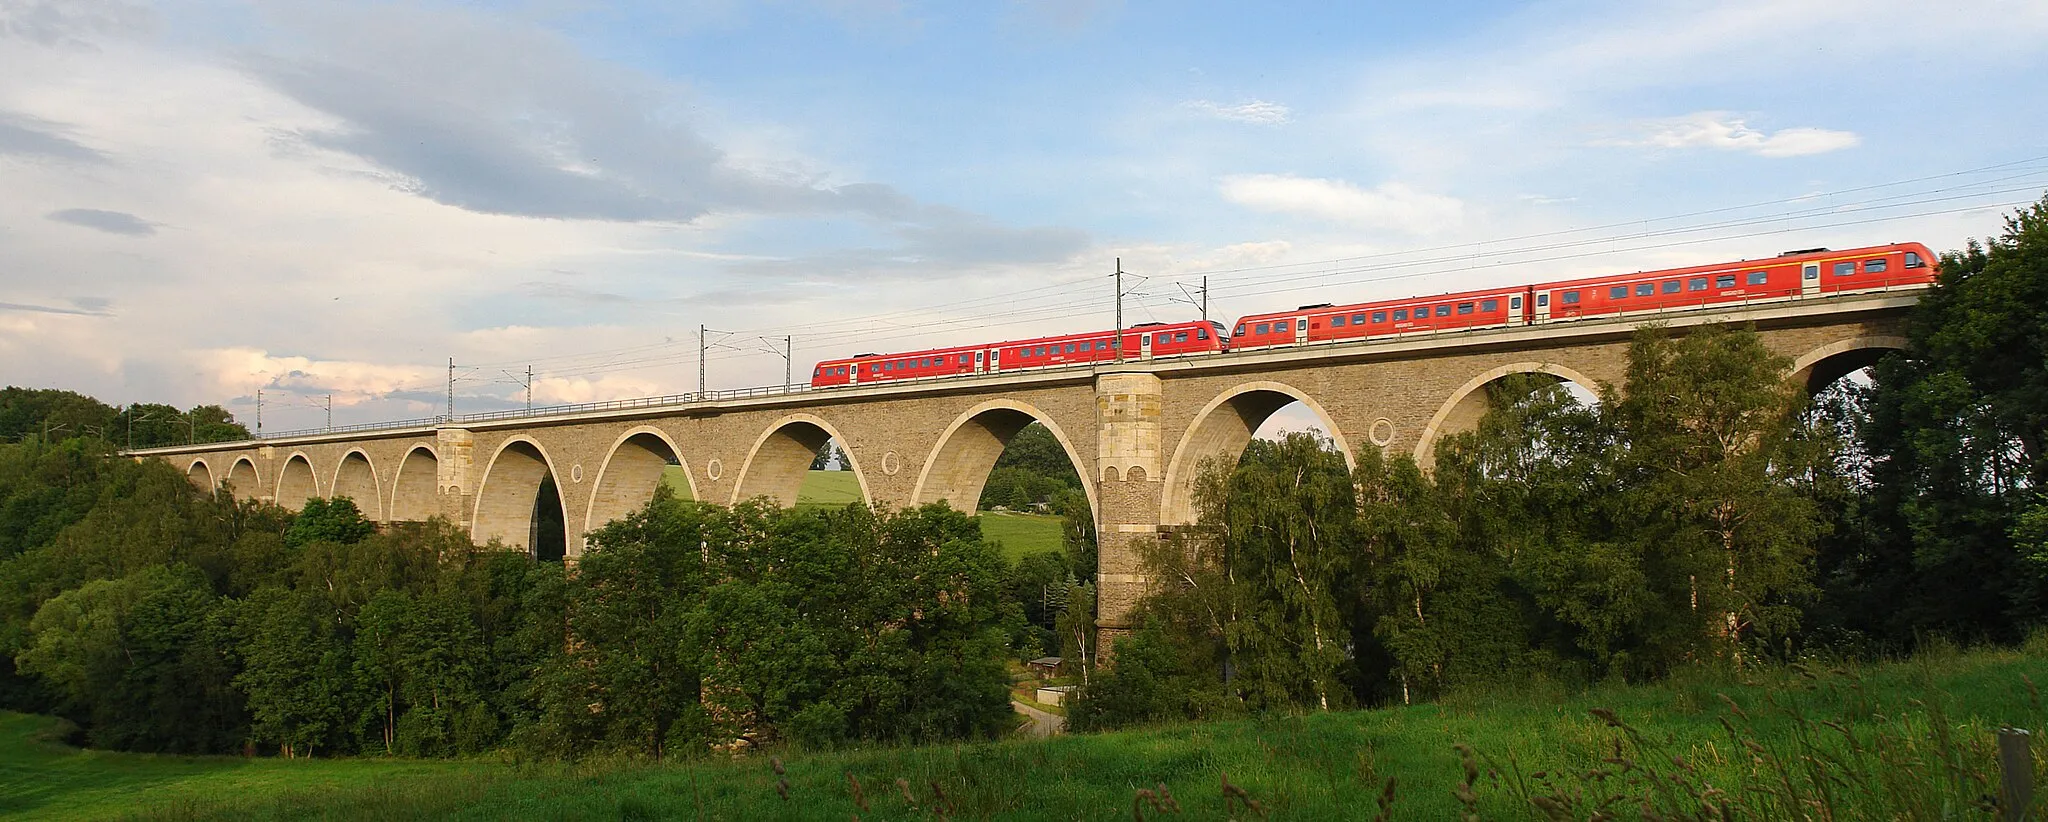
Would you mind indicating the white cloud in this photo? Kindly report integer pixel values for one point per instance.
(1726, 132)
(1392, 206)
(1256, 112)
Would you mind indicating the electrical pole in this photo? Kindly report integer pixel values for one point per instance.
(1205, 298)
(451, 389)
(330, 412)
(1119, 344)
(788, 360)
(259, 413)
(700, 361)
(529, 388)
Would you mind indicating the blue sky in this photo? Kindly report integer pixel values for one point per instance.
(198, 200)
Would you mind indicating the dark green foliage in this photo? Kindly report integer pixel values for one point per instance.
(328, 520)
(50, 414)
(142, 658)
(147, 425)
(694, 625)
(1034, 470)
(1955, 433)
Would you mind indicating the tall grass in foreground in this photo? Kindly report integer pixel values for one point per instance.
(1780, 759)
(1905, 740)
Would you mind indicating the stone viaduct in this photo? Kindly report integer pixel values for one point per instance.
(1137, 431)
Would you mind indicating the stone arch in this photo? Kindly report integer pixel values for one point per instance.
(508, 494)
(1467, 405)
(243, 481)
(1222, 429)
(968, 449)
(632, 469)
(356, 479)
(417, 488)
(777, 463)
(296, 482)
(1821, 367)
(200, 475)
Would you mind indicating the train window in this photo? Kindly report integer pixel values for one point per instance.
(1489, 306)
(1873, 266)
(1913, 260)
(1617, 292)
(1263, 328)
(1359, 319)
(1759, 277)
(1670, 286)
(980, 356)
(1645, 289)
(1070, 348)
(1696, 284)
(1038, 352)
(1422, 312)
(1379, 316)
(1464, 308)
(1400, 314)
(1201, 333)
(1240, 330)
(1443, 310)
(1514, 303)
(1571, 297)
(1542, 300)
(1845, 269)
(1337, 321)
(1724, 281)
(1180, 336)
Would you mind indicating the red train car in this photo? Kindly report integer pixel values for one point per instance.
(1145, 341)
(1792, 275)
(1804, 273)
(1326, 322)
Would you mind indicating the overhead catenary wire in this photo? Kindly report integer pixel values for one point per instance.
(1055, 300)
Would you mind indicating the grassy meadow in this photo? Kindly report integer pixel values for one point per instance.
(1910, 739)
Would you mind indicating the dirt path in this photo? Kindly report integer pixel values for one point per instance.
(1043, 724)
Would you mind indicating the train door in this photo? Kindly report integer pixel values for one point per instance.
(1542, 306)
(1300, 330)
(1515, 313)
(1145, 346)
(1809, 279)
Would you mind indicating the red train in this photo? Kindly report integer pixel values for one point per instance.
(1792, 275)
(1143, 341)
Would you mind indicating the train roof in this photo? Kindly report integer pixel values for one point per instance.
(1390, 302)
(1801, 255)
(1143, 328)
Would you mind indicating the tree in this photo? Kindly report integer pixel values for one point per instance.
(334, 520)
(830, 454)
(136, 661)
(52, 414)
(295, 671)
(1075, 626)
(1709, 421)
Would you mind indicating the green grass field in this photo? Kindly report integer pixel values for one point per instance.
(1021, 534)
(1324, 766)
(828, 489)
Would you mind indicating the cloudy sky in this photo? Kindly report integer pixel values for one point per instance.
(200, 200)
